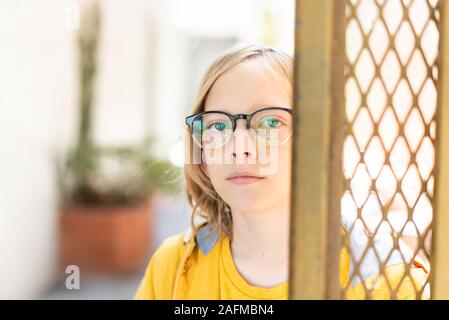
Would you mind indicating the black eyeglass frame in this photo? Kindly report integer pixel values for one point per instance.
(234, 117)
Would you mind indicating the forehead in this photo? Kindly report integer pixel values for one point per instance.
(247, 87)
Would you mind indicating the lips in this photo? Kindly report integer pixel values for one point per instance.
(240, 178)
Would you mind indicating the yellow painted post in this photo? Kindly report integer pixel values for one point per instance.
(317, 169)
(440, 241)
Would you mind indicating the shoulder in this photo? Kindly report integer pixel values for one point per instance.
(160, 273)
(171, 248)
(175, 253)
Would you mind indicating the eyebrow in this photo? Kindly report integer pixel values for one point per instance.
(254, 108)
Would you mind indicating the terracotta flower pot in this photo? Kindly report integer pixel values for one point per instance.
(106, 239)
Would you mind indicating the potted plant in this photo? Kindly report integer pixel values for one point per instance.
(106, 222)
(106, 191)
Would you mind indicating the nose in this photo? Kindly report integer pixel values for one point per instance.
(243, 146)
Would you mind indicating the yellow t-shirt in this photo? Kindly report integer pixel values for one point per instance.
(185, 268)
(234, 287)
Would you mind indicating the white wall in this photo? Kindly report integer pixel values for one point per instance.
(37, 99)
(121, 103)
(38, 105)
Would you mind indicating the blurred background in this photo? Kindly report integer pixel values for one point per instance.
(93, 98)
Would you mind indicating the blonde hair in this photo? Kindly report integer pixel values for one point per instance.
(205, 202)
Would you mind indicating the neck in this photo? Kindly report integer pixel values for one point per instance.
(263, 233)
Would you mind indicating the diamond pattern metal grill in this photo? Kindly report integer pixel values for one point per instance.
(388, 154)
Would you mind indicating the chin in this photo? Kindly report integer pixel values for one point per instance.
(248, 201)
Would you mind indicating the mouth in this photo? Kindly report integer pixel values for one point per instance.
(244, 178)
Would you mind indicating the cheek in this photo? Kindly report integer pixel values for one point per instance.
(217, 175)
(215, 157)
(276, 162)
(283, 176)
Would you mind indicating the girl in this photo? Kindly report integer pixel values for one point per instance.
(239, 188)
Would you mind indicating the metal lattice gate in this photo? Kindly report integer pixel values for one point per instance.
(370, 151)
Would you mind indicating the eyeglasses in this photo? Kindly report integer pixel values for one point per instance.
(213, 129)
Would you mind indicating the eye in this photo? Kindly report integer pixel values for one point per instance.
(219, 126)
(271, 122)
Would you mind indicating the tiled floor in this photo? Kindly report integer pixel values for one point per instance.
(172, 217)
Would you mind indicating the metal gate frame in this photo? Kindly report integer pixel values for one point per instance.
(316, 187)
(317, 176)
(440, 255)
